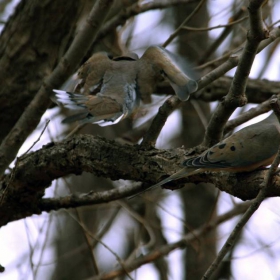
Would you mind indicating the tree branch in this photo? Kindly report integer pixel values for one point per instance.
(236, 96)
(180, 244)
(171, 104)
(257, 91)
(22, 191)
(135, 10)
(248, 115)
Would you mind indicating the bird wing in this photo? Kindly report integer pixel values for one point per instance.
(162, 63)
(103, 106)
(92, 72)
(247, 149)
(71, 100)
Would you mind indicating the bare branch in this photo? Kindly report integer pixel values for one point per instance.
(164, 111)
(201, 29)
(176, 32)
(180, 244)
(252, 113)
(257, 91)
(135, 10)
(222, 37)
(21, 193)
(236, 96)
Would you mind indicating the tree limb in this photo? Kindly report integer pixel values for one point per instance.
(22, 191)
(236, 96)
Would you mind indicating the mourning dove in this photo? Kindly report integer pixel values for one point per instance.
(106, 92)
(157, 61)
(250, 148)
(110, 89)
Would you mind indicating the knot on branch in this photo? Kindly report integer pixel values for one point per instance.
(258, 36)
(235, 100)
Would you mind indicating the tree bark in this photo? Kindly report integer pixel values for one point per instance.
(29, 52)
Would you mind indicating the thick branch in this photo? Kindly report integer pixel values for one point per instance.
(21, 193)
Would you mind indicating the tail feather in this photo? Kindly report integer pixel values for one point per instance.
(76, 117)
(71, 100)
(180, 174)
(184, 172)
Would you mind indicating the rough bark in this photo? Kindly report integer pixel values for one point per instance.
(29, 52)
(22, 191)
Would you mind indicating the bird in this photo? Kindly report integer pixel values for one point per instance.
(106, 92)
(157, 61)
(248, 149)
(110, 89)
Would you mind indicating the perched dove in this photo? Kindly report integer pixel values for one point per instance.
(110, 89)
(250, 148)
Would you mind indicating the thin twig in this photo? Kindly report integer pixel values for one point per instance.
(202, 29)
(218, 61)
(267, 59)
(134, 10)
(39, 138)
(180, 244)
(250, 114)
(176, 32)
(141, 220)
(90, 248)
(236, 96)
(107, 226)
(120, 261)
(213, 47)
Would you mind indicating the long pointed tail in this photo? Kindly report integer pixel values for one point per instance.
(184, 172)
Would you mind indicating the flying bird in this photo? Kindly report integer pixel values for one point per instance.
(248, 149)
(110, 89)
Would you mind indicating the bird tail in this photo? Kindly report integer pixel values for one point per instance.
(184, 172)
(76, 101)
(82, 117)
(70, 100)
